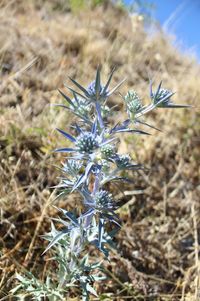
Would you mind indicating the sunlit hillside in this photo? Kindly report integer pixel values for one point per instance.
(41, 44)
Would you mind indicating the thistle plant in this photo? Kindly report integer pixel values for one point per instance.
(92, 162)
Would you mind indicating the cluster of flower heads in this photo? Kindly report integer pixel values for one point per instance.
(92, 162)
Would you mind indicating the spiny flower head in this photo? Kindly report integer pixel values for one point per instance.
(83, 108)
(87, 142)
(162, 99)
(162, 94)
(104, 200)
(108, 151)
(92, 90)
(96, 91)
(122, 161)
(133, 102)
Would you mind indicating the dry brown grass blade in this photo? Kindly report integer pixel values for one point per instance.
(11, 78)
(38, 226)
(23, 69)
(196, 250)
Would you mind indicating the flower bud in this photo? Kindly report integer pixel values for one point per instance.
(122, 161)
(133, 103)
(108, 151)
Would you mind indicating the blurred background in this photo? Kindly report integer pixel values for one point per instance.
(41, 44)
(179, 18)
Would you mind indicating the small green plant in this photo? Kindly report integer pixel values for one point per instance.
(92, 162)
(78, 5)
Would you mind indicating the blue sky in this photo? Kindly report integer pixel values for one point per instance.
(182, 18)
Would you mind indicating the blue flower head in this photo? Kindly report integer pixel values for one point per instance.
(86, 142)
(104, 201)
(122, 161)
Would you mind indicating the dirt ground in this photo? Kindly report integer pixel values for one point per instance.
(41, 44)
